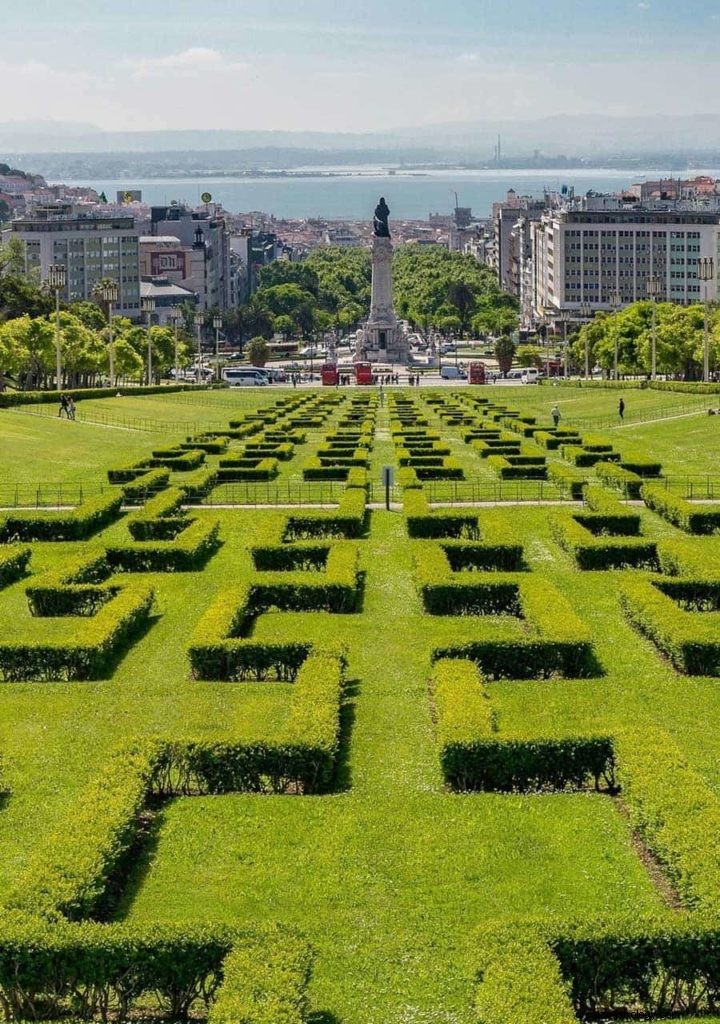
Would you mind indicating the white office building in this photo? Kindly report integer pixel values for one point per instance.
(89, 246)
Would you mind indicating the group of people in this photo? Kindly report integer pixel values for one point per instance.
(556, 414)
(67, 406)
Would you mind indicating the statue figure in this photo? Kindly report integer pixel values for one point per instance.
(380, 220)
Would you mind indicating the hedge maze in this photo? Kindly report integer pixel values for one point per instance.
(333, 763)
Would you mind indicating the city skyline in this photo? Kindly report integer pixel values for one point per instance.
(315, 65)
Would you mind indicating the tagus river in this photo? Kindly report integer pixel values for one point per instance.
(352, 193)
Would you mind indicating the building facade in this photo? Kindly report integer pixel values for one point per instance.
(601, 254)
(90, 247)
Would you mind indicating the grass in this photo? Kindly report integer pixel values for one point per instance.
(389, 875)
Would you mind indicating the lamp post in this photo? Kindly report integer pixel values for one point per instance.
(109, 293)
(615, 304)
(147, 307)
(586, 313)
(705, 273)
(198, 320)
(57, 278)
(175, 316)
(217, 324)
(653, 288)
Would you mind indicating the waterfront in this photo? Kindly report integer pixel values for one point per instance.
(411, 196)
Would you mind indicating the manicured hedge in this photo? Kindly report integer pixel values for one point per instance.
(137, 491)
(187, 552)
(507, 471)
(603, 551)
(566, 479)
(160, 518)
(10, 398)
(348, 520)
(239, 470)
(14, 561)
(196, 486)
(618, 476)
(202, 443)
(71, 872)
(76, 524)
(690, 640)
(424, 522)
(90, 653)
(689, 516)
(264, 983)
(697, 557)
(556, 641)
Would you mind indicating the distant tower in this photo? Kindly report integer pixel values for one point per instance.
(498, 150)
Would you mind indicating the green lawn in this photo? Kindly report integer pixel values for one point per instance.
(389, 876)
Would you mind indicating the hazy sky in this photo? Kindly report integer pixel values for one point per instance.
(352, 64)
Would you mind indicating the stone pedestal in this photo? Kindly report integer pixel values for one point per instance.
(383, 339)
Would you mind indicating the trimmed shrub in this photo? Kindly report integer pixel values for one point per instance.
(689, 516)
(246, 470)
(196, 486)
(71, 872)
(14, 561)
(77, 524)
(688, 639)
(422, 522)
(89, 654)
(567, 480)
(348, 520)
(161, 517)
(187, 552)
(144, 486)
(507, 471)
(602, 550)
(618, 476)
(177, 460)
(264, 983)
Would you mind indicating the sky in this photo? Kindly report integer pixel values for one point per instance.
(352, 65)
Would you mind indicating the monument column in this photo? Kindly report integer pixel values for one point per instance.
(382, 339)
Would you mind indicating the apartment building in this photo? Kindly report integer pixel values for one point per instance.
(600, 252)
(91, 247)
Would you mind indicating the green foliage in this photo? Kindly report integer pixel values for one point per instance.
(89, 654)
(258, 351)
(264, 983)
(78, 524)
(195, 541)
(693, 518)
(14, 561)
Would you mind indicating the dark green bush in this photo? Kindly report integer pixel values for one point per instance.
(78, 524)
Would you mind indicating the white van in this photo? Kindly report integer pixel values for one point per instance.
(245, 376)
(527, 375)
(452, 373)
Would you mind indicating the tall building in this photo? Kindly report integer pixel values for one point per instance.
(91, 247)
(505, 217)
(600, 251)
(206, 236)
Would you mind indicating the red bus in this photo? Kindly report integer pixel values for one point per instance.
(476, 373)
(329, 374)
(363, 373)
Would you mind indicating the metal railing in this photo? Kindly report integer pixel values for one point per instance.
(49, 495)
(114, 419)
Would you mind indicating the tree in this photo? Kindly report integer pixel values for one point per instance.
(258, 351)
(530, 355)
(461, 295)
(285, 325)
(505, 352)
(89, 314)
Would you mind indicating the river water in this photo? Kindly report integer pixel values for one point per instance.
(353, 194)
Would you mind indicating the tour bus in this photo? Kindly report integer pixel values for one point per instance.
(476, 372)
(363, 373)
(244, 376)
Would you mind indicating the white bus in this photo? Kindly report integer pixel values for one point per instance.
(244, 376)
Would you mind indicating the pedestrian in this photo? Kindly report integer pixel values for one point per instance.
(621, 409)
(71, 408)
(555, 413)
(63, 406)
(294, 380)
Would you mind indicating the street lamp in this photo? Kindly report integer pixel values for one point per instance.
(615, 304)
(57, 279)
(175, 316)
(653, 288)
(586, 313)
(147, 308)
(198, 320)
(109, 293)
(705, 273)
(217, 324)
